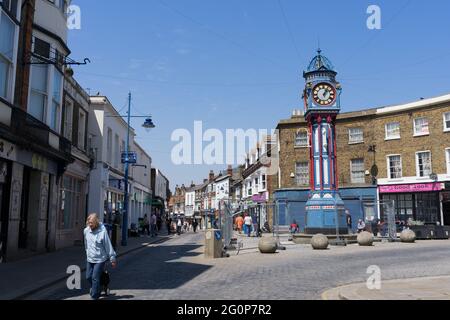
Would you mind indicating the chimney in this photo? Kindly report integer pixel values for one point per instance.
(211, 176)
(192, 184)
(230, 171)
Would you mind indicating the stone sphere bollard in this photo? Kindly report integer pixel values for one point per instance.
(365, 239)
(408, 236)
(319, 242)
(268, 245)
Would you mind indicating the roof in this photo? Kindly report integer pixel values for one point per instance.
(320, 63)
(415, 105)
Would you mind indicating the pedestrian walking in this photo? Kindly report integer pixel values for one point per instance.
(179, 226)
(239, 223)
(158, 222)
(349, 222)
(153, 225)
(169, 226)
(98, 251)
(248, 224)
(195, 225)
(146, 225)
(375, 229)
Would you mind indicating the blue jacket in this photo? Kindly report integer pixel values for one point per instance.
(98, 246)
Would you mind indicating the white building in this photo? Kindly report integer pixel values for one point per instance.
(108, 133)
(140, 197)
(160, 188)
(254, 185)
(189, 204)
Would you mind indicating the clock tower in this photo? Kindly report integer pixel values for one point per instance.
(325, 211)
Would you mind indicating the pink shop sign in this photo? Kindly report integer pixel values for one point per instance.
(405, 188)
(260, 198)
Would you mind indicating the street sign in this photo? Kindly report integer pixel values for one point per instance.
(132, 157)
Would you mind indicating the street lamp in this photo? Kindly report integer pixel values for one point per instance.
(148, 124)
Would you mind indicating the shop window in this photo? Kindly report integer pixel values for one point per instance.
(72, 203)
(427, 207)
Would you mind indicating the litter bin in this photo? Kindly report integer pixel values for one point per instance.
(213, 244)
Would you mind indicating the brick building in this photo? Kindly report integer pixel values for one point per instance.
(399, 153)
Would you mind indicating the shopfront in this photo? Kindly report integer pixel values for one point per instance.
(414, 202)
(114, 200)
(291, 204)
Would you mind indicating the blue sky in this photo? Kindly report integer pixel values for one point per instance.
(238, 63)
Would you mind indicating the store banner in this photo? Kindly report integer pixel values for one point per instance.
(410, 188)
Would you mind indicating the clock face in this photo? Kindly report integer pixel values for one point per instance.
(324, 94)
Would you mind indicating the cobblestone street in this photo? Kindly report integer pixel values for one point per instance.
(177, 269)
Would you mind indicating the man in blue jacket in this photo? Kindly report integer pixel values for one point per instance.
(98, 251)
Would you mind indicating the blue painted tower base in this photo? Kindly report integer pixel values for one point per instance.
(323, 209)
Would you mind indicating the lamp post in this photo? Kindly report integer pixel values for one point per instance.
(148, 124)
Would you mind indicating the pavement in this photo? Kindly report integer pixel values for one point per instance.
(175, 268)
(23, 278)
(427, 288)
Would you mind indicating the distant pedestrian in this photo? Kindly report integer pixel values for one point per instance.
(361, 226)
(349, 222)
(375, 228)
(169, 225)
(248, 221)
(239, 223)
(98, 251)
(195, 225)
(294, 227)
(146, 223)
(158, 222)
(153, 225)
(179, 226)
(185, 227)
